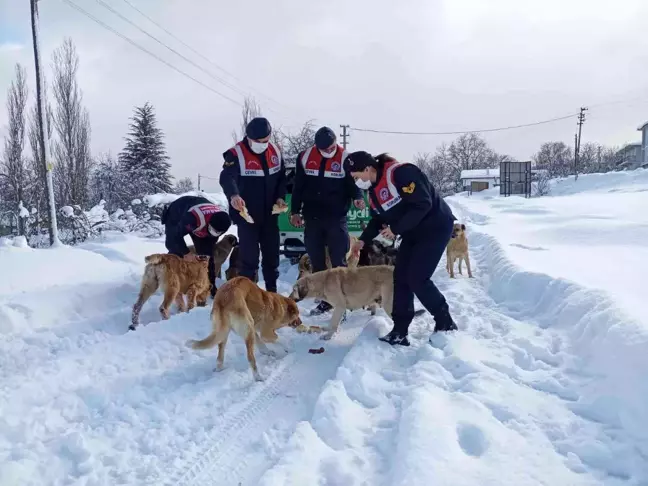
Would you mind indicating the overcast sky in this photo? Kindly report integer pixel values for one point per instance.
(409, 65)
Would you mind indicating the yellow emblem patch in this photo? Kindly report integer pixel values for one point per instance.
(409, 189)
(228, 163)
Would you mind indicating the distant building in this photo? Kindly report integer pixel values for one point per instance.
(644, 144)
(630, 156)
(476, 180)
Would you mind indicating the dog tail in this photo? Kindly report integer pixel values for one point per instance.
(218, 335)
(154, 259)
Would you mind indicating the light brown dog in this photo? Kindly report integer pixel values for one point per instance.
(306, 268)
(233, 269)
(177, 277)
(348, 288)
(222, 250)
(252, 313)
(457, 249)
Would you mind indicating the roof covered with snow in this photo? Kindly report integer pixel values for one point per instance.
(480, 174)
(642, 126)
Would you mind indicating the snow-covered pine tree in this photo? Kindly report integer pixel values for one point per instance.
(144, 157)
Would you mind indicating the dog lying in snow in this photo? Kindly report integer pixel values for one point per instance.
(177, 277)
(457, 249)
(252, 313)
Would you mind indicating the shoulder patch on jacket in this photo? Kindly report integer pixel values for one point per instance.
(228, 163)
(409, 189)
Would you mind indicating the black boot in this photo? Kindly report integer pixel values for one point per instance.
(443, 320)
(321, 308)
(395, 337)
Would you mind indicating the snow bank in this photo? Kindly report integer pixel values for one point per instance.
(632, 181)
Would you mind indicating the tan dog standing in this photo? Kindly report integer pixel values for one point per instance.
(347, 288)
(457, 249)
(177, 277)
(252, 313)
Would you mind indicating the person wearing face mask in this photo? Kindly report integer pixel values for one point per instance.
(202, 220)
(322, 195)
(254, 178)
(403, 202)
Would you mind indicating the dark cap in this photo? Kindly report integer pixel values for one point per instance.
(220, 221)
(360, 160)
(324, 138)
(258, 128)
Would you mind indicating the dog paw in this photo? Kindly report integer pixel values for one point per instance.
(131, 327)
(327, 336)
(258, 377)
(219, 368)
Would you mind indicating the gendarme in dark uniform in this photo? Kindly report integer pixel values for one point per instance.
(322, 194)
(403, 202)
(253, 176)
(199, 218)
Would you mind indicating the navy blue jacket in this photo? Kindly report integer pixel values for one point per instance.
(179, 222)
(420, 213)
(322, 197)
(259, 193)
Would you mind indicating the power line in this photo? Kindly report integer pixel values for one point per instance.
(126, 19)
(130, 41)
(198, 53)
(459, 132)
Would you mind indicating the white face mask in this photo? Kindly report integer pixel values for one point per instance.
(328, 156)
(258, 147)
(364, 185)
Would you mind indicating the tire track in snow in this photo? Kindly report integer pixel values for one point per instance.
(226, 458)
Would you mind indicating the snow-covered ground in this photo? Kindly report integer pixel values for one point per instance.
(544, 384)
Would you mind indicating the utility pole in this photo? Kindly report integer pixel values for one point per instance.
(345, 134)
(199, 182)
(42, 128)
(599, 159)
(581, 120)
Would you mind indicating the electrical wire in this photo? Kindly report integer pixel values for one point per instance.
(130, 41)
(213, 76)
(222, 69)
(459, 132)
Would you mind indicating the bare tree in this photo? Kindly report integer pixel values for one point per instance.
(14, 173)
(293, 143)
(556, 157)
(251, 109)
(438, 169)
(542, 185)
(183, 185)
(72, 123)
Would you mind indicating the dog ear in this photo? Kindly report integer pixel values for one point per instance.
(463, 227)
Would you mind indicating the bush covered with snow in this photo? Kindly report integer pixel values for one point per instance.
(142, 217)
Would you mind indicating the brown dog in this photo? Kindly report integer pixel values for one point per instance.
(233, 269)
(243, 307)
(457, 249)
(222, 250)
(177, 278)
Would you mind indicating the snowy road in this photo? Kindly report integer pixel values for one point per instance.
(544, 384)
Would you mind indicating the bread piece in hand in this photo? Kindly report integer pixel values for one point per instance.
(245, 215)
(276, 209)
